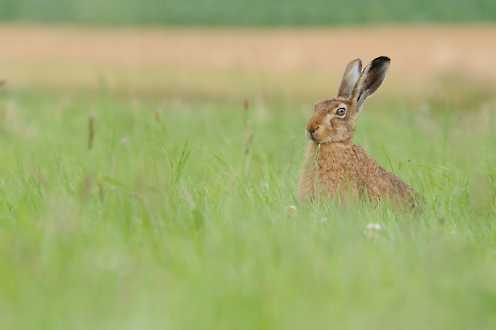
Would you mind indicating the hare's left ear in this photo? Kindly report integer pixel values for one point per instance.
(371, 78)
(350, 78)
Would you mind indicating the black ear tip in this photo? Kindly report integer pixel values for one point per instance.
(381, 60)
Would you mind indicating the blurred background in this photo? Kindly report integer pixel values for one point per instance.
(247, 13)
(216, 48)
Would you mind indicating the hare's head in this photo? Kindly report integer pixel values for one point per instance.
(334, 120)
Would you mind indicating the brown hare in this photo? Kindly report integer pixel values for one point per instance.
(334, 166)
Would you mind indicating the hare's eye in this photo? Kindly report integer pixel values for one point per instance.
(341, 112)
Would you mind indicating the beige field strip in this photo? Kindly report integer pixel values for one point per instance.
(210, 60)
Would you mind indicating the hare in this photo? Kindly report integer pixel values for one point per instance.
(334, 166)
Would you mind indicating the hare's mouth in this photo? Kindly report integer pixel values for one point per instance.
(313, 136)
(318, 140)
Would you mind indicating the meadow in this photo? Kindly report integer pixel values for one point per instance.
(147, 183)
(129, 212)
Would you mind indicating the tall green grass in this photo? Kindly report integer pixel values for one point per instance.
(246, 13)
(172, 220)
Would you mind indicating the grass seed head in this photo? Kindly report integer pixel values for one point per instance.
(292, 210)
(91, 130)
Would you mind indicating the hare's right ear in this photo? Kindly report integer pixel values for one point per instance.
(371, 78)
(350, 78)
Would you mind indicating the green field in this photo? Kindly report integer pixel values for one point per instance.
(177, 218)
(247, 13)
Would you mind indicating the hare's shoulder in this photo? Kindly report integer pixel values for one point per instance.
(367, 167)
(376, 178)
(364, 163)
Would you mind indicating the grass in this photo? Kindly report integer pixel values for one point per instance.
(173, 220)
(244, 13)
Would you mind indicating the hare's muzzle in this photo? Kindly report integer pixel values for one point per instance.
(311, 133)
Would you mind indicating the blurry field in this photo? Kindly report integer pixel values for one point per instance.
(252, 13)
(178, 215)
(293, 64)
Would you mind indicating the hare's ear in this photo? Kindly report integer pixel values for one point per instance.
(371, 78)
(350, 78)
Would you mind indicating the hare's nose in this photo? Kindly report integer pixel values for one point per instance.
(312, 129)
(311, 132)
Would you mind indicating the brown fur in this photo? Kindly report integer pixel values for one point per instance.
(335, 167)
(343, 170)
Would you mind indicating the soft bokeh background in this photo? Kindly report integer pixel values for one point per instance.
(150, 152)
(252, 13)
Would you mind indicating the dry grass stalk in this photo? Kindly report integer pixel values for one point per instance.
(248, 130)
(91, 131)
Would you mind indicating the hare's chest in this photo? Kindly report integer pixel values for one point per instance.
(337, 173)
